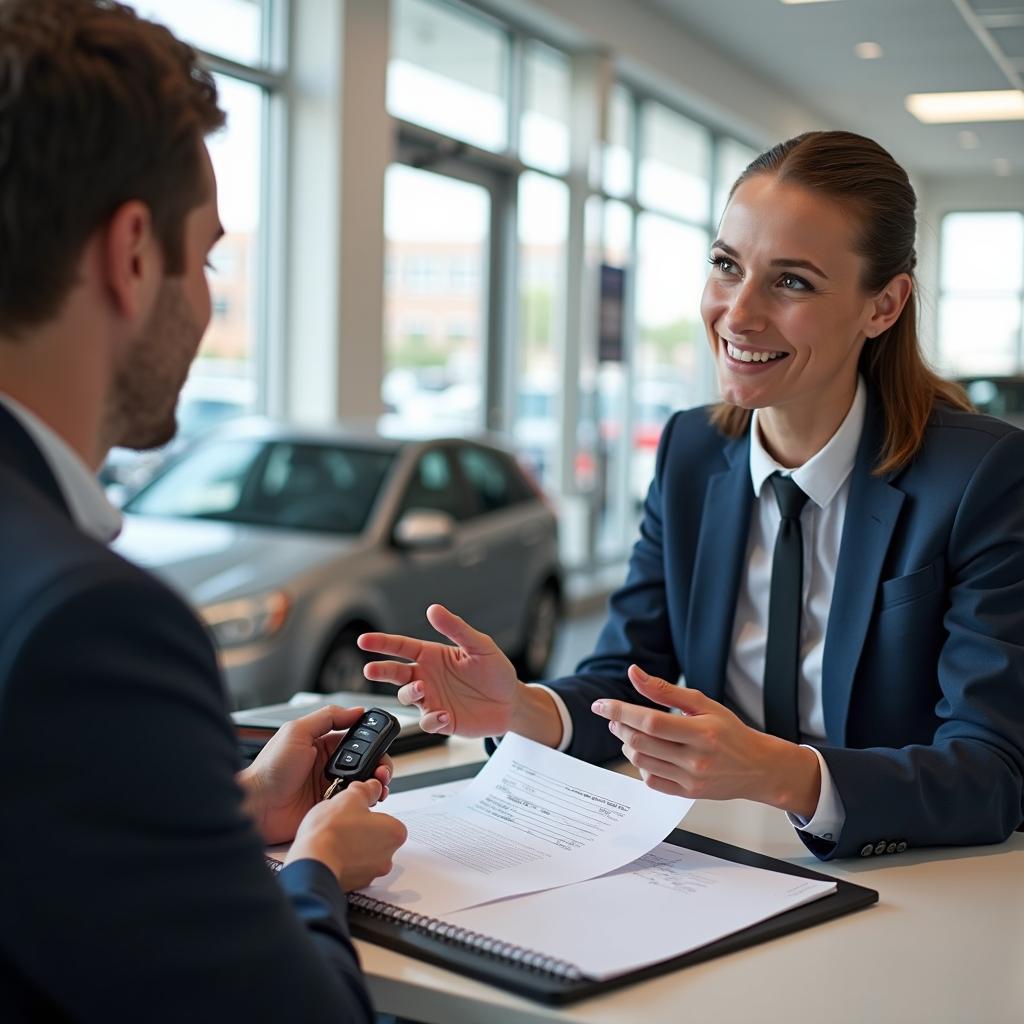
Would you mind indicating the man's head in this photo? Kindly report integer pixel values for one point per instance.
(102, 122)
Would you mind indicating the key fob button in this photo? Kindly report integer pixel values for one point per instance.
(374, 722)
(364, 734)
(356, 746)
(348, 759)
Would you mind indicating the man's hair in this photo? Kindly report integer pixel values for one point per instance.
(98, 107)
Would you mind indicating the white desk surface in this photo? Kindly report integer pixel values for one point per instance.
(945, 943)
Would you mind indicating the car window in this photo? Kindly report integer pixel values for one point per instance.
(301, 486)
(492, 482)
(209, 481)
(434, 486)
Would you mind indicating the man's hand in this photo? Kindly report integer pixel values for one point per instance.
(707, 752)
(356, 844)
(287, 778)
(470, 689)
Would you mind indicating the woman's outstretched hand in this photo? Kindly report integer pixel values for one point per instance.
(470, 689)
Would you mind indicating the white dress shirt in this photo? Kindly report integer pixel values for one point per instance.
(91, 511)
(825, 479)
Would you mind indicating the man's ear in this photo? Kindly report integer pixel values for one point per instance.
(888, 304)
(132, 263)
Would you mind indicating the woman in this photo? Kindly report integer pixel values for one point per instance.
(833, 557)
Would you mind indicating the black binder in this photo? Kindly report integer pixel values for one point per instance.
(550, 981)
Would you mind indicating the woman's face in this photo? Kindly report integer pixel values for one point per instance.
(783, 306)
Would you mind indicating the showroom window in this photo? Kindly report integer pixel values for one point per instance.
(478, 218)
(981, 293)
(241, 42)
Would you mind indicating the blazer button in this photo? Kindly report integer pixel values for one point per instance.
(866, 850)
(880, 846)
(891, 848)
(901, 846)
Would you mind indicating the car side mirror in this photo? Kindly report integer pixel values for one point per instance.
(422, 529)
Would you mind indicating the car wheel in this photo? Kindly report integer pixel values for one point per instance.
(342, 665)
(539, 637)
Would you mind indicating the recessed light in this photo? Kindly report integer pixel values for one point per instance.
(968, 139)
(1002, 166)
(953, 107)
(869, 51)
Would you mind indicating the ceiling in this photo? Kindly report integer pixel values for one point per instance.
(806, 50)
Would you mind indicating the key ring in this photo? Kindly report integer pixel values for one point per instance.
(334, 788)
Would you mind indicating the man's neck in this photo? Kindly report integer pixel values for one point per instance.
(60, 376)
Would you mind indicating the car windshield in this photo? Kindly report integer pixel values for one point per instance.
(286, 484)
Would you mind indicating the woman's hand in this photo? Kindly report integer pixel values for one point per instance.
(470, 689)
(707, 752)
(287, 778)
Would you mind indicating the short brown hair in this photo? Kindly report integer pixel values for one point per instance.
(97, 107)
(874, 189)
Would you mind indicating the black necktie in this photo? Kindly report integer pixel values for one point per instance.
(782, 651)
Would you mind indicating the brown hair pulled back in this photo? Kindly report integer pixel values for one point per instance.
(874, 190)
(97, 107)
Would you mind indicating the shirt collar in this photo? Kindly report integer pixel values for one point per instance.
(822, 475)
(91, 511)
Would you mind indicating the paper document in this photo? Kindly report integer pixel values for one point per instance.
(532, 819)
(666, 903)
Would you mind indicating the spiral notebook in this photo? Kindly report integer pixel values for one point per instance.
(512, 943)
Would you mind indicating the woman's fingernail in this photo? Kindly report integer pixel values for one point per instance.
(641, 673)
(418, 689)
(598, 707)
(443, 719)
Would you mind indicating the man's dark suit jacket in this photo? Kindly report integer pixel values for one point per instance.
(923, 671)
(132, 885)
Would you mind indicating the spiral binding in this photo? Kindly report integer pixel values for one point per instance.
(475, 941)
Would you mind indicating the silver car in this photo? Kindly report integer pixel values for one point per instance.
(290, 542)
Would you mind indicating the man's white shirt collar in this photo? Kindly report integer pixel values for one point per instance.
(822, 475)
(91, 511)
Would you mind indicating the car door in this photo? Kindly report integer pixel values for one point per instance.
(420, 578)
(505, 540)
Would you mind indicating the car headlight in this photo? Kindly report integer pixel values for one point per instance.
(246, 619)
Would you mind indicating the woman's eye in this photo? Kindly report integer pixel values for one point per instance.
(722, 263)
(795, 283)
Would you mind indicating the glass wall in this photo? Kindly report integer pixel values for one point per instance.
(981, 296)
(437, 232)
(468, 78)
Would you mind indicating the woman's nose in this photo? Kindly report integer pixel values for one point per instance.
(744, 312)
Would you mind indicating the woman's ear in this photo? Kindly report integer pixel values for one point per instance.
(888, 304)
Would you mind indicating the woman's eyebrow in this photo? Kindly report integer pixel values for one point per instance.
(786, 262)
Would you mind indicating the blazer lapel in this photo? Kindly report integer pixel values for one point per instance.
(19, 454)
(872, 511)
(719, 561)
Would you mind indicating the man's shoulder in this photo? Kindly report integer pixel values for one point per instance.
(49, 562)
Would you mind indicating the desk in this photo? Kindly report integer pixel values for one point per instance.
(944, 944)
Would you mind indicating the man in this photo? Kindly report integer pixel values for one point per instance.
(132, 883)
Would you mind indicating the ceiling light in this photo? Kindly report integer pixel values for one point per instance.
(1002, 166)
(969, 139)
(953, 107)
(869, 51)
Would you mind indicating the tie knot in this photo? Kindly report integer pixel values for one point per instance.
(789, 496)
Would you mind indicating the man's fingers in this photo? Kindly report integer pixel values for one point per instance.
(391, 644)
(368, 792)
(324, 720)
(397, 672)
(458, 630)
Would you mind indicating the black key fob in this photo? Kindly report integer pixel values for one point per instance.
(361, 750)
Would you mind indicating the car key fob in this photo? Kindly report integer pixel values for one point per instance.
(361, 750)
